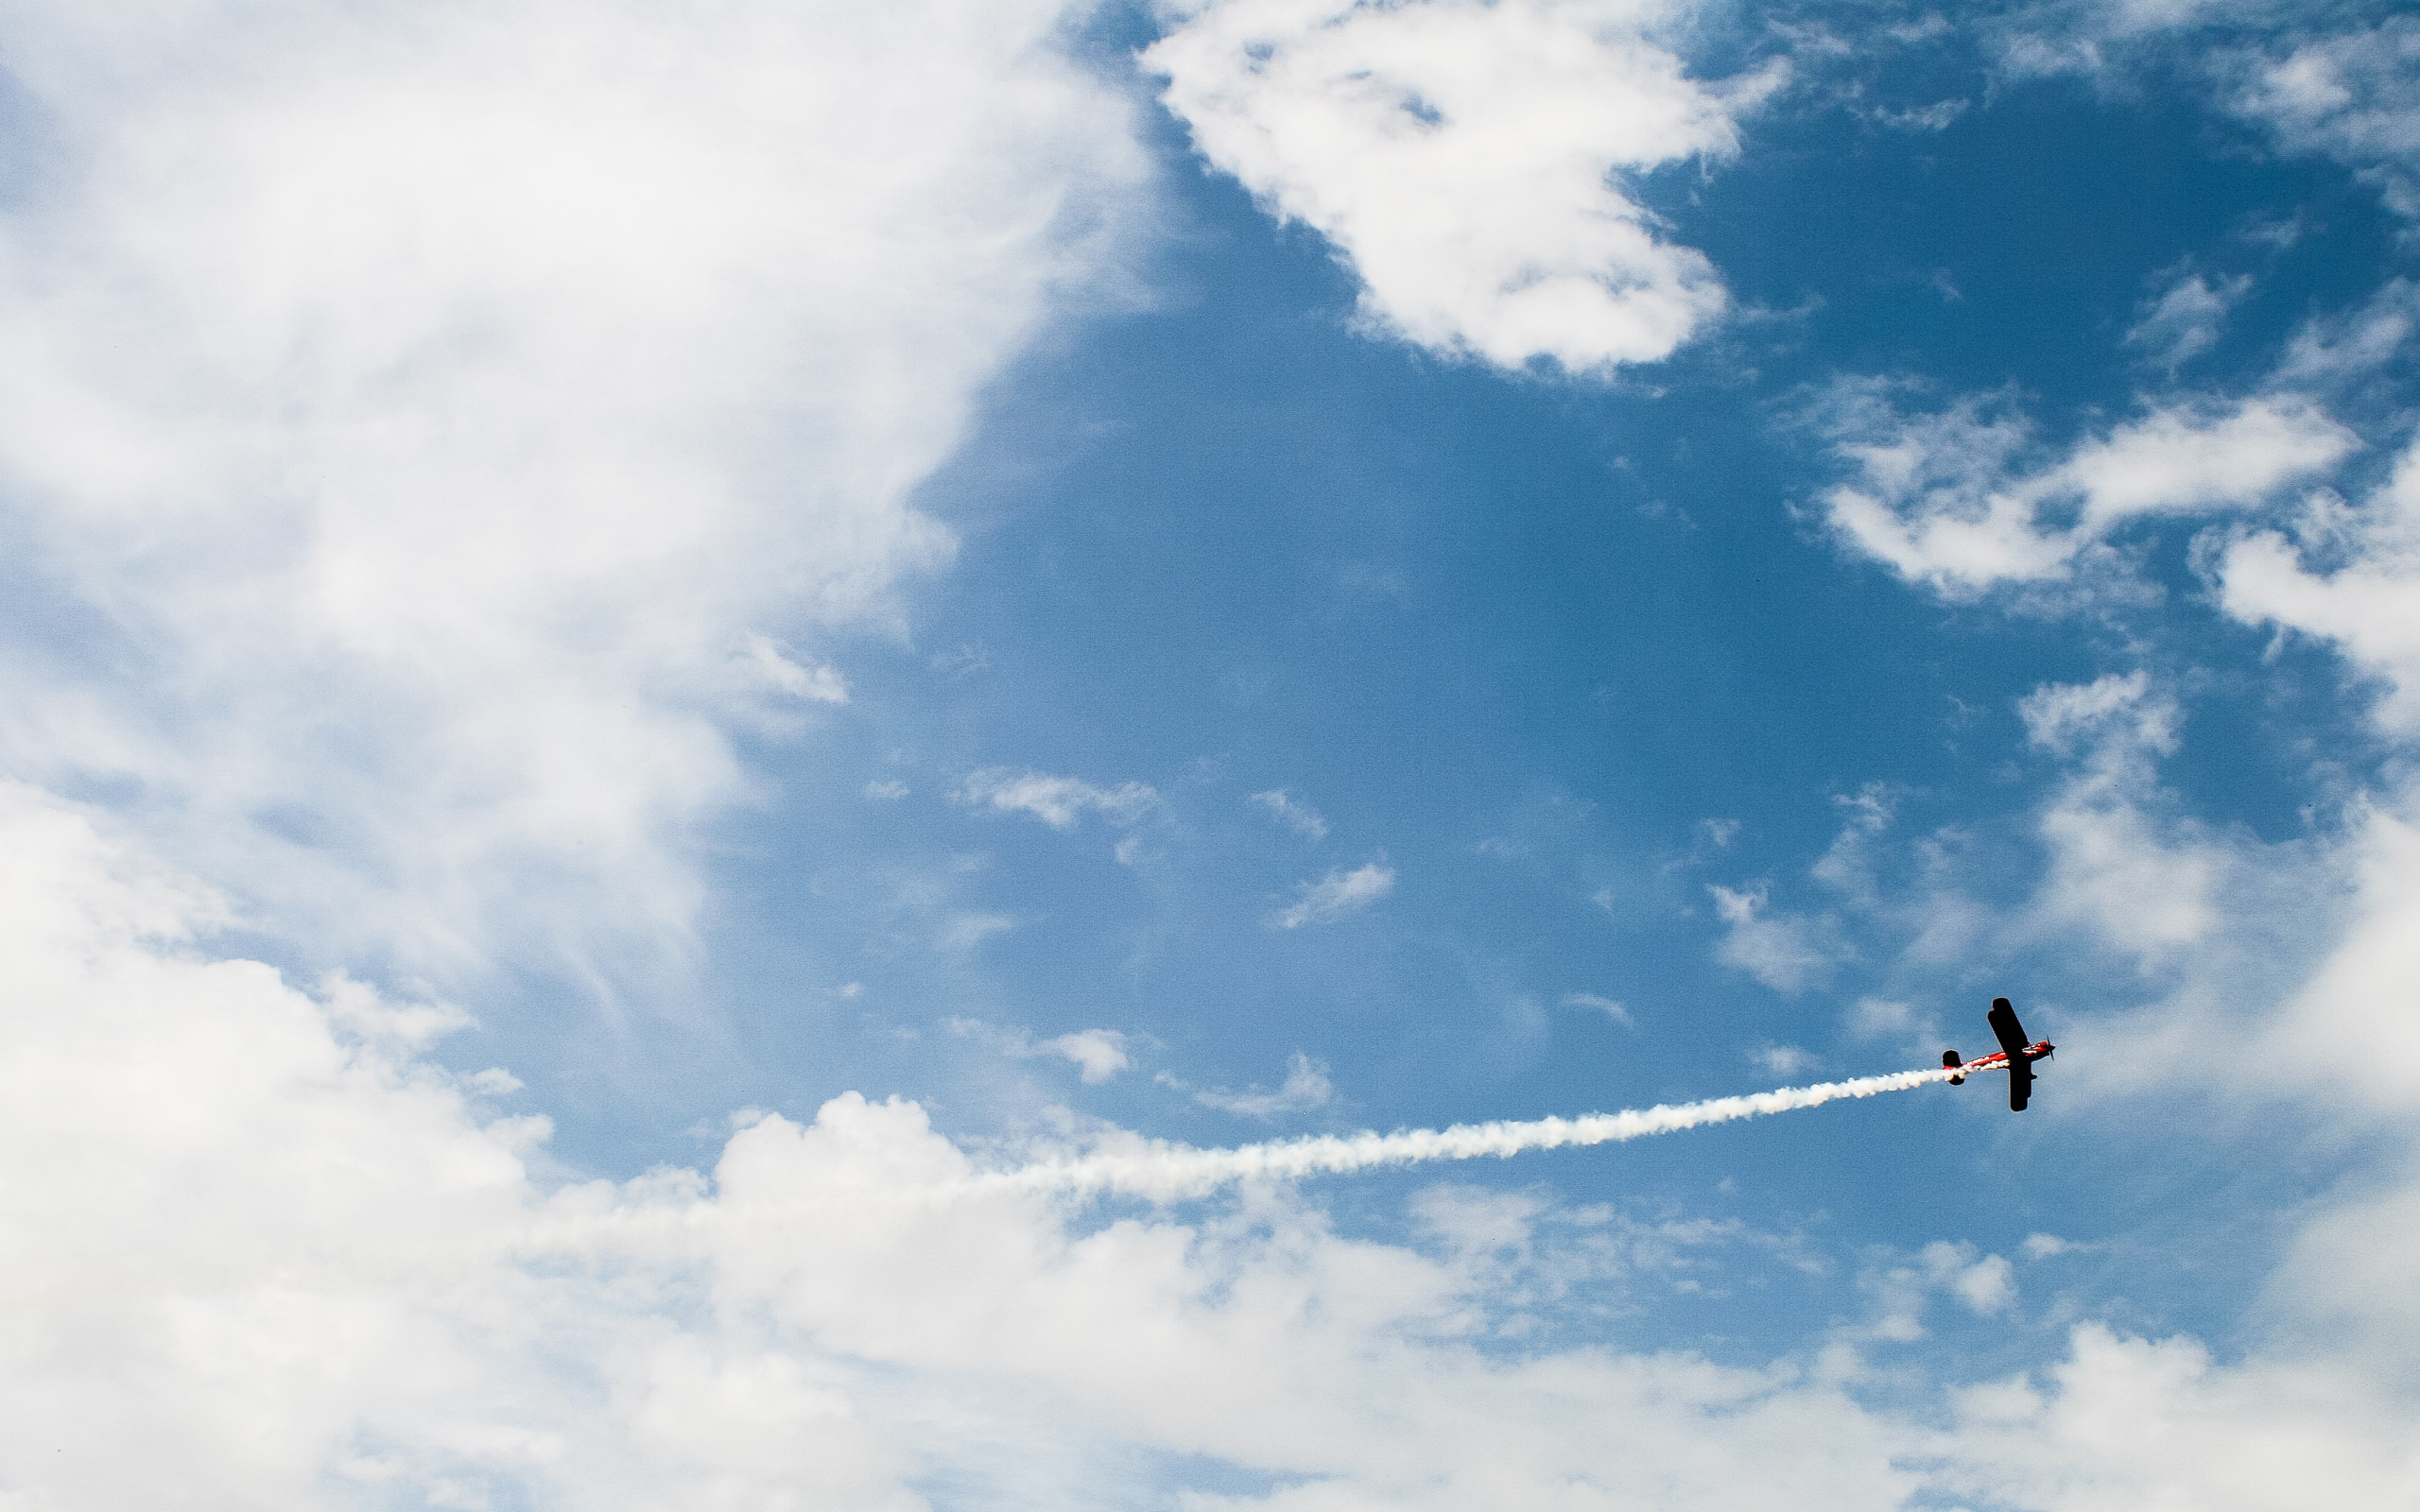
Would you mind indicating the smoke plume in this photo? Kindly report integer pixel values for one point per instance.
(1166, 1171)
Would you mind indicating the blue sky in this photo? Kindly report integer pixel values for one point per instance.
(637, 640)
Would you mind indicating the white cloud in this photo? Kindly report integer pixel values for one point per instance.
(1944, 500)
(1057, 802)
(888, 789)
(1298, 816)
(1098, 1054)
(1608, 1007)
(2325, 1037)
(965, 931)
(2186, 320)
(1336, 895)
(1781, 1061)
(813, 681)
(1306, 1087)
(2370, 605)
(1986, 1286)
(2061, 716)
(1779, 950)
(2265, 1434)
(2115, 869)
(1870, 1017)
(422, 404)
(2354, 96)
(2330, 348)
(1467, 159)
(1938, 117)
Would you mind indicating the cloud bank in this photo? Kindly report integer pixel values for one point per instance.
(274, 1256)
(437, 433)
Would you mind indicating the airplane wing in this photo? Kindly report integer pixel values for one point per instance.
(2005, 1028)
(2011, 1035)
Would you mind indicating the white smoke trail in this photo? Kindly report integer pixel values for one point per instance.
(677, 1225)
(1167, 1172)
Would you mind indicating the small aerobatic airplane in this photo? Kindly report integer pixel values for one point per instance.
(2013, 1054)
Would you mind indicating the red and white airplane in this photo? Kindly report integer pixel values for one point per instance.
(2014, 1056)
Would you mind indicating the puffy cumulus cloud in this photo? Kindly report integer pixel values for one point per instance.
(2137, 1422)
(2368, 603)
(1468, 160)
(1947, 500)
(1098, 1054)
(1337, 894)
(435, 422)
(261, 1252)
(1057, 802)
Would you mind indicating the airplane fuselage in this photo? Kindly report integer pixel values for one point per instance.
(1996, 1060)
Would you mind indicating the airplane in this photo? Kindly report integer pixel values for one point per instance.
(2013, 1054)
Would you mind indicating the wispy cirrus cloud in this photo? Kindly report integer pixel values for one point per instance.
(2365, 598)
(2353, 96)
(1293, 812)
(1337, 894)
(1612, 1008)
(1098, 1054)
(1787, 951)
(2186, 319)
(1057, 802)
(1952, 500)
(1306, 1087)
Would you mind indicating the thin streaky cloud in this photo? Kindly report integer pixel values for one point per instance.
(1611, 1007)
(1337, 894)
(1307, 1086)
(1293, 812)
(1057, 802)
